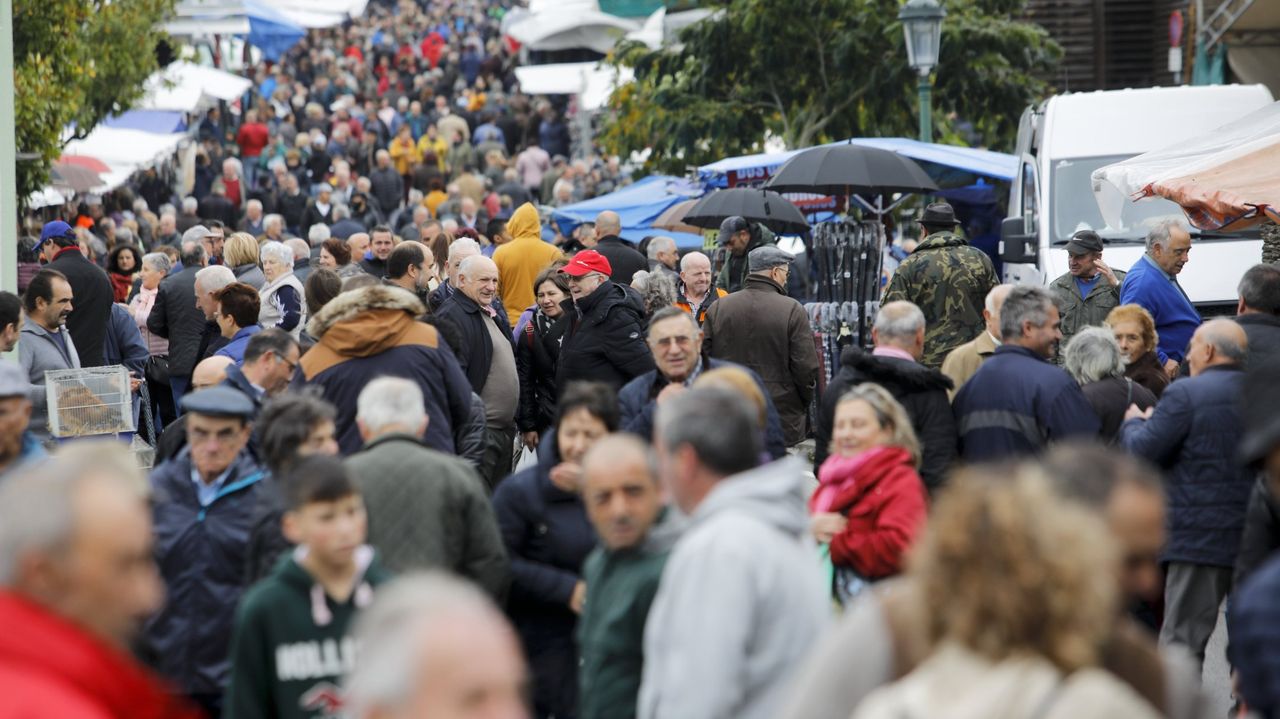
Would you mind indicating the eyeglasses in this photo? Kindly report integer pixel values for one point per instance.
(292, 365)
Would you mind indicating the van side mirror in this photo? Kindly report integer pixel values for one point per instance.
(1016, 245)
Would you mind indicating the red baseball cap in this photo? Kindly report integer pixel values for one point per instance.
(586, 262)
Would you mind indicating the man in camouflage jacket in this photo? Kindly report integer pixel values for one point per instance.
(948, 280)
(1090, 289)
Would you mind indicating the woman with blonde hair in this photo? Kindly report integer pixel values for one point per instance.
(241, 254)
(737, 379)
(870, 503)
(1135, 332)
(1019, 594)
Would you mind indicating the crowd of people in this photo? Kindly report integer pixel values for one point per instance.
(416, 456)
(597, 457)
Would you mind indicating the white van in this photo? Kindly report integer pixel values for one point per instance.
(1065, 138)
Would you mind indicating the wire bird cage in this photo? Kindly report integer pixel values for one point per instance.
(89, 402)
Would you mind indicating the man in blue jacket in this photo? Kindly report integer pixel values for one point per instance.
(1152, 283)
(1193, 435)
(203, 511)
(675, 338)
(1019, 402)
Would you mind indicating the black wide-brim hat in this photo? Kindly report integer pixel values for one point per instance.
(938, 213)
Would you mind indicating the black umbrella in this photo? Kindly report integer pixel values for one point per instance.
(850, 170)
(766, 207)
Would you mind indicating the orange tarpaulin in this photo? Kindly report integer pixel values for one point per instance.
(1231, 195)
(1227, 179)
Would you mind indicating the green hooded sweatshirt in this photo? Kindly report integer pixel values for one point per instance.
(290, 648)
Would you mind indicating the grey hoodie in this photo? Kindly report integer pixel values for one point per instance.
(740, 604)
(38, 352)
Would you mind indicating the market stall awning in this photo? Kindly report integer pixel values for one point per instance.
(592, 82)
(319, 13)
(1226, 179)
(561, 28)
(639, 205)
(265, 27)
(157, 122)
(121, 151)
(185, 86)
(757, 168)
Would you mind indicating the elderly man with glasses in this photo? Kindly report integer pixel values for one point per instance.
(676, 342)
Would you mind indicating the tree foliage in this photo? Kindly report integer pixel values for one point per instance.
(76, 62)
(810, 71)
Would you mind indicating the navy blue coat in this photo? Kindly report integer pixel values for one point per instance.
(636, 401)
(548, 537)
(201, 555)
(1193, 436)
(1016, 404)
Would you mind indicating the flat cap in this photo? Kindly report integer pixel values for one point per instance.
(219, 401)
(13, 380)
(732, 224)
(1083, 242)
(767, 258)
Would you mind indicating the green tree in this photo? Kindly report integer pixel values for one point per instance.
(811, 71)
(76, 62)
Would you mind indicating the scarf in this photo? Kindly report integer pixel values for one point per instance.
(840, 474)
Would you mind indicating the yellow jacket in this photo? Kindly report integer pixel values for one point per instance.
(405, 155)
(438, 146)
(521, 260)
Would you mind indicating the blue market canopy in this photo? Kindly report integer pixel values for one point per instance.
(638, 205)
(156, 122)
(750, 169)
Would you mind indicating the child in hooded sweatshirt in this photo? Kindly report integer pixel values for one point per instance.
(290, 647)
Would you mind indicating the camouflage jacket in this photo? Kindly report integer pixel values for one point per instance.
(1081, 312)
(949, 281)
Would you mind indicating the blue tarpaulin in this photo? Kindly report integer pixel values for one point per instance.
(757, 168)
(270, 31)
(157, 122)
(638, 205)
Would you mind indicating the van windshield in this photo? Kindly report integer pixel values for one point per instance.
(1073, 206)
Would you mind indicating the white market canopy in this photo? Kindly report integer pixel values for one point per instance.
(185, 86)
(124, 151)
(570, 24)
(592, 82)
(231, 17)
(319, 13)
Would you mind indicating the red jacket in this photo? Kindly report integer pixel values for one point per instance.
(883, 498)
(252, 137)
(52, 668)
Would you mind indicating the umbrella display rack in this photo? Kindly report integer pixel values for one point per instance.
(847, 259)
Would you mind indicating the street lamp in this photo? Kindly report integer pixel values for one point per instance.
(922, 23)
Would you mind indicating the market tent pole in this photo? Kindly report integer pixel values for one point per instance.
(8, 155)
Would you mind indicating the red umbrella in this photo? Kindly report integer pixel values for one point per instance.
(85, 161)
